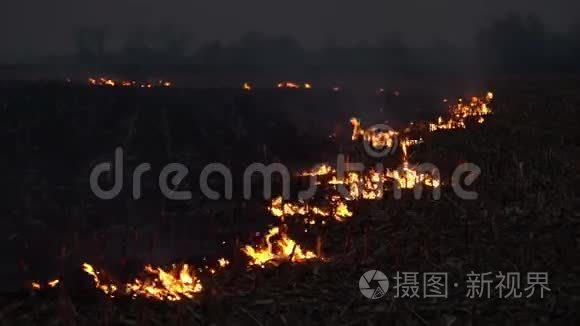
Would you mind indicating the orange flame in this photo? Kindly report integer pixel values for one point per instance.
(320, 169)
(288, 84)
(105, 81)
(280, 209)
(341, 211)
(377, 138)
(109, 289)
(279, 250)
(177, 283)
(408, 177)
(477, 107)
(223, 262)
(172, 285)
(36, 285)
(337, 209)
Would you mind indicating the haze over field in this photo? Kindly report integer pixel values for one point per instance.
(35, 28)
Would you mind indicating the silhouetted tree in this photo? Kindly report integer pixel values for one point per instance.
(138, 47)
(90, 43)
(397, 57)
(515, 44)
(174, 42)
(210, 53)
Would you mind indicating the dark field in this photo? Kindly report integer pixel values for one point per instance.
(526, 219)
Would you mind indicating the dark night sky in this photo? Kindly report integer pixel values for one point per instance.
(39, 27)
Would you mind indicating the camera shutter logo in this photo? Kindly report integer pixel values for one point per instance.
(373, 284)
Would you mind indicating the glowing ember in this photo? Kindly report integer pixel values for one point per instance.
(105, 81)
(477, 107)
(35, 285)
(289, 84)
(446, 124)
(277, 250)
(246, 86)
(337, 209)
(223, 262)
(280, 209)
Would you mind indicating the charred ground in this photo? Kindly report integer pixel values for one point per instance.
(525, 219)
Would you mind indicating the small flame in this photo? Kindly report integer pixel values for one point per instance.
(279, 250)
(337, 209)
(36, 285)
(223, 262)
(477, 107)
(377, 138)
(172, 285)
(288, 84)
(105, 81)
(408, 177)
(280, 209)
(109, 289)
(321, 169)
(177, 283)
(341, 211)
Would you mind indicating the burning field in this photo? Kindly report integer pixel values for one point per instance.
(399, 212)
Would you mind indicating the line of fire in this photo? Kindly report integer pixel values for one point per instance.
(259, 163)
(259, 201)
(275, 246)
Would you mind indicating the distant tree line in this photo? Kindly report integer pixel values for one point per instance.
(512, 44)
